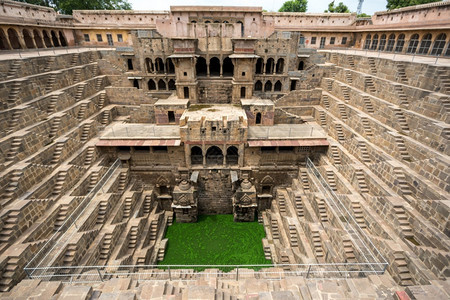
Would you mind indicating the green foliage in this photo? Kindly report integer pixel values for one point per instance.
(294, 6)
(393, 4)
(363, 15)
(67, 6)
(215, 240)
(340, 8)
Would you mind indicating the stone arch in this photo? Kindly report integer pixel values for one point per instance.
(439, 44)
(4, 45)
(390, 43)
(159, 65)
(151, 85)
(161, 84)
(382, 42)
(301, 65)
(54, 39)
(374, 42)
(277, 87)
(196, 155)
(214, 156)
(171, 85)
(38, 39)
(267, 185)
(47, 40)
(400, 43)
(368, 40)
(14, 39)
(214, 67)
(425, 44)
(201, 67)
(232, 155)
(170, 67)
(28, 39)
(413, 43)
(228, 67)
(149, 65)
(259, 66)
(268, 86)
(258, 118)
(258, 85)
(242, 28)
(280, 66)
(163, 185)
(269, 66)
(62, 39)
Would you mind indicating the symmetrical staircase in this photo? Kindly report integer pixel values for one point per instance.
(401, 147)
(368, 104)
(49, 63)
(359, 216)
(299, 205)
(343, 111)
(401, 73)
(59, 184)
(322, 210)
(401, 181)
(13, 68)
(364, 152)
(55, 127)
(372, 66)
(369, 84)
(274, 228)
(401, 120)
(325, 101)
(57, 153)
(317, 244)
(331, 180)
(335, 155)
(361, 180)
(339, 132)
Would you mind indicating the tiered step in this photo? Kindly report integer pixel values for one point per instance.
(317, 244)
(401, 73)
(293, 236)
(364, 152)
(16, 87)
(401, 120)
(12, 186)
(127, 208)
(401, 147)
(322, 210)
(368, 104)
(69, 255)
(9, 273)
(267, 253)
(401, 181)
(51, 108)
(444, 80)
(74, 60)
(95, 70)
(403, 221)
(153, 230)
(343, 111)
(281, 203)
(57, 153)
(335, 154)
(403, 99)
(299, 205)
(15, 66)
(89, 156)
(77, 75)
(80, 91)
(326, 102)
(329, 84)
(105, 117)
(103, 207)
(14, 148)
(161, 253)
(59, 183)
(402, 268)
(62, 214)
(323, 119)
(331, 180)
(348, 251)
(9, 227)
(305, 180)
(98, 83)
(169, 220)
(93, 179)
(351, 61)
(333, 72)
(14, 121)
(366, 126)
(82, 111)
(361, 179)
(372, 66)
(101, 100)
(50, 82)
(359, 216)
(55, 127)
(369, 84)
(49, 63)
(334, 57)
(123, 178)
(345, 93)
(348, 76)
(275, 229)
(133, 237)
(339, 132)
(260, 218)
(85, 132)
(147, 204)
(106, 246)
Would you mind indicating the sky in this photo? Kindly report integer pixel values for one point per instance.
(314, 6)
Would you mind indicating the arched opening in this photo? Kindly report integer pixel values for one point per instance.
(382, 42)
(201, 67)
(151, 85)
(130, 64)
(171, 116)
(161, 85)
(301, 41)
(28, 39)
(258, 86)
(267, 185)
(413, 42)
(214, 156)
(374, 42)
(390, 43)
(149, 65)
(242, 28)
(14, 39)
(196, 156)
(280, 66)
(170, 66)
(301, 65)
(439, 44)
(232, 155)
(277, 86)
(269, 66)
(368, 40)
(242, 92)
(207, 22)
(186, 92)
(3, 41)
(47, 41)
(259, 66)
(268, 86)
(171, 85)
(447, 52)
(293, 85)
(214, 67)
(54, 39)
(136, 83)
(62, 39)
(258, 118)
(159, 65)
(425, 44)
(38, 39)
(400, 43)
(228, 67)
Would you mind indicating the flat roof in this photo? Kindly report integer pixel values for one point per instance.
(256, 101)
(214, 112)
(123, 131)
(173, 100)
(286, 132)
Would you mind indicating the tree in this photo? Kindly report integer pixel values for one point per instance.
(340, 8)
(393, 4)
(294, 6)
(363, 15)
(67, 6)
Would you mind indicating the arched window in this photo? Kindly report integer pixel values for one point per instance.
(196, 155)
(277, 86)
(413, 42)
(269, 66)
(439, 44)
(28, 39)
(228, 67)
(214, 67)
(425, 44)
(214, 156)
(258, 118)
(3, 41)
(258, 86)
(367, 43)
(170, 66)
(136, 83)
(374, 42)
(447, 53)
(268, 86)
(149, 65)
(390, 43)
(159, 65)
(14, 39)
(280, 66)
(161, 85)
(243, 92)
(151, 85)
(38, 39)
(47, 41)
(259, 66)
(207, 22)
(382, 42)
(171, 85)
(242, 28)
(62, 39)
(301, 65)
(200, 66)
(400, 43)
(54, 39)
(232, 155)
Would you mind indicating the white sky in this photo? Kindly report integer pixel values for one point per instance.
(315, 6)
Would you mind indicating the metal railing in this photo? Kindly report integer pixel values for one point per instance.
(62, 236)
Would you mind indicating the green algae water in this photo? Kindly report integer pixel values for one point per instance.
(215, 240)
